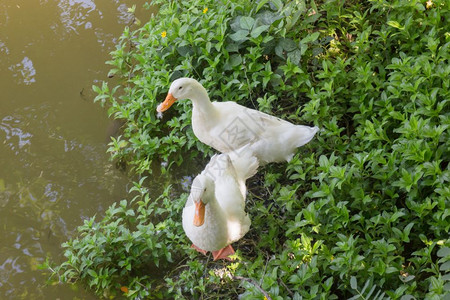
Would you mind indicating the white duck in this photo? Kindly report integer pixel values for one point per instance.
(214, 215)
(228, 126)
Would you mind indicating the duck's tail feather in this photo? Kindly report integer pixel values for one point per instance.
(306, 134)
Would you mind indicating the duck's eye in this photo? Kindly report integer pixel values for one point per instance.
(180, 87)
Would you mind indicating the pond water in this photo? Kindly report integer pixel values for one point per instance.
(54, 170)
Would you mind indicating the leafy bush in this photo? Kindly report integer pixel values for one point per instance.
(125, 246)
(362, 211)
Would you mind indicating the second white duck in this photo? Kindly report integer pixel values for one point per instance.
(214, 215)
(228, 126)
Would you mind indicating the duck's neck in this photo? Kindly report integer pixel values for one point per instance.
(201, 101)
(214, 214)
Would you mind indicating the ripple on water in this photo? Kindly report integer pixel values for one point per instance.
(24, 72)
(15, 138)
(54, 182)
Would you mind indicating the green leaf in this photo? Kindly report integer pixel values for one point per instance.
(278, 4)
(183, 30)
(232, 47)
(268, 17)
(261, 4)
(445, 266)
(295, 56)
(443, 252)
(395, 24)
(239, 35)
(310, 38)
(258, 30)
(235, 60)
(96, 89)
(287, 44)
(247, 23)
(353, 283)
(92, 273)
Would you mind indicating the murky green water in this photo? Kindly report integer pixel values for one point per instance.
(54, 171)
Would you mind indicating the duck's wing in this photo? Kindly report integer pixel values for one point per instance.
(239, 125)
(244, 162)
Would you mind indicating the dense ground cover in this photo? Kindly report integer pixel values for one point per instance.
(362, 211)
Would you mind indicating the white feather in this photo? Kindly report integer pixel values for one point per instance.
(228, 126)
(225, 218)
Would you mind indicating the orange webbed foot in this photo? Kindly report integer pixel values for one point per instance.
(199, 250)
(223, 253)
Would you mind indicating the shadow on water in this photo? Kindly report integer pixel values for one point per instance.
(54, 170)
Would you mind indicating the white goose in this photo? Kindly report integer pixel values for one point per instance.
(228, 126)
(214, 215)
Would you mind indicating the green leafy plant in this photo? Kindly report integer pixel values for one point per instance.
(366, 292)
(118, 253)
(365, 203)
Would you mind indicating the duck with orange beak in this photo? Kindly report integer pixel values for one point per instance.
(228, 126)
(214, 215)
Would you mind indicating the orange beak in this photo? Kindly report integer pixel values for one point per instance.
(167, 103)
(199, 214)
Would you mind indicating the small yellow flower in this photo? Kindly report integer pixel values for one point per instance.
(205, 10)
(164, 34)
(429, 4)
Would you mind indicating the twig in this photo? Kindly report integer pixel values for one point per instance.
(249, 280)
(286, 287)
(179, 265)
(204, 274)
(265, 268)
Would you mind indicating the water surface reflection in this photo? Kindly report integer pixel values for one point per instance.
(24, 71)
(54, 171)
